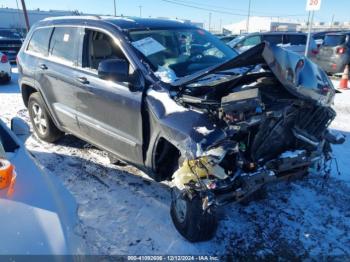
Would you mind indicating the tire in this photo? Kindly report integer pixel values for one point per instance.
(195, 224)
(5, 80)
(42, 123)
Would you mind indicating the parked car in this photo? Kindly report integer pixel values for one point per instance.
(227, 38)
(5, 69)
(38, 215)
(319, 36)
(291, 41)
(10, 43)
(173, 100)
(334, 53)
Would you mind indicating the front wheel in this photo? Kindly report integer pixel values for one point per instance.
(189, 218)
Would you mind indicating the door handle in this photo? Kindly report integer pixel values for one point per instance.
(43, 66)
(83, 80)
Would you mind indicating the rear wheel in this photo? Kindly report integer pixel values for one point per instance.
(5, 79)
(189, 218)
(41, 120)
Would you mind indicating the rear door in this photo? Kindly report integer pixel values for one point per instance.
(33, 55)
(56, 77)
(108, 112)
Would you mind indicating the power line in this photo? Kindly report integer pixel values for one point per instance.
(206, 7)
(202, 8)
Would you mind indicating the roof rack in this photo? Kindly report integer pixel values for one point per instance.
(94, 17)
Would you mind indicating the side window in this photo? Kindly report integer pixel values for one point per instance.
(294, 39)
(97, 47)
(252, 41)
(273, 39)
(39, 43)
(65, 44)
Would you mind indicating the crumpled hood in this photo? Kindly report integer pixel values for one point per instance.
(298, 75)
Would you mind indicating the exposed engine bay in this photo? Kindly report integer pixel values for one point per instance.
(275, 128)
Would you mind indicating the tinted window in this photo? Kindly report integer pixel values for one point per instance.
(9, 34)
(65, 43)
(273, 39)
(252, 41)
(39, 43)
(98, 47)
(334, 40)
(295, 39)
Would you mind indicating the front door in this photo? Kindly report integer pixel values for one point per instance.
(108, 113)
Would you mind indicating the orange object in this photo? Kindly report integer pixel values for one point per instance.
(344, 79)
(6, 173)
(12, 184)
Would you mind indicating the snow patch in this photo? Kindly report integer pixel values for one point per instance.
(203, 130)
(170, 105)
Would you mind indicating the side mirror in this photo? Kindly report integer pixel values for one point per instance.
(114, 69)
(20, 128)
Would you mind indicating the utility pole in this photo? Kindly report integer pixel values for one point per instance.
(332, 20)
(140, 7)
(248, 16)
(115, 8)
(25, 15)
(209, 25)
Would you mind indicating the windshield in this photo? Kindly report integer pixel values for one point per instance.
(9, 34)
(334, 40)
(175, 53)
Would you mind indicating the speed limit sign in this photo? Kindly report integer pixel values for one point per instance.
(313, 5)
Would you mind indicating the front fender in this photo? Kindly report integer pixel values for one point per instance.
(190, 131)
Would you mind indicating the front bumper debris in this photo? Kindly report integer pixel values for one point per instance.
(222, 189)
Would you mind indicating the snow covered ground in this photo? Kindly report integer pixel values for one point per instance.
(122, 211)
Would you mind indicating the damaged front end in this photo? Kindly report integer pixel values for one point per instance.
(275, 115)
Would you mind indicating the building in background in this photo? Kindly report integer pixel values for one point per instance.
(261, 24)
(13, 18)
(322, 26)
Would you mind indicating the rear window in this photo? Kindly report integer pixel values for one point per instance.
(295, 39)
(9, 34)
(65, 44)
(273, 39)
(39, 43)
(334, 40)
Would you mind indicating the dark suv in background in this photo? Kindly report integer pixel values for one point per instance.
(334, 53)
(10, 43)
(178, 103)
